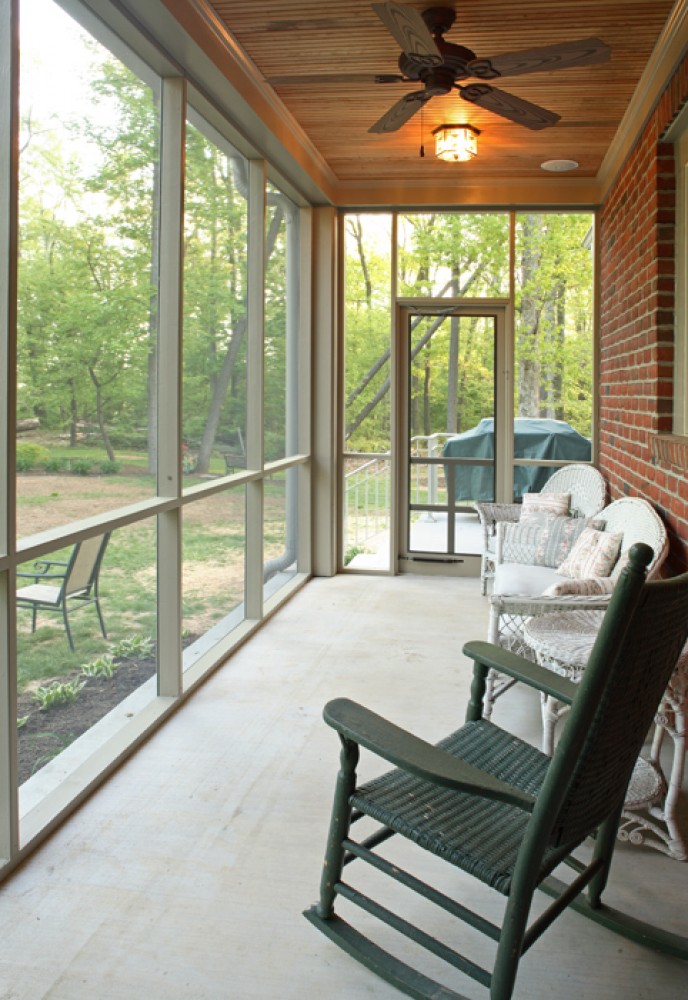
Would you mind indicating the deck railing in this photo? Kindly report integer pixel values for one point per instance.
(368, 488)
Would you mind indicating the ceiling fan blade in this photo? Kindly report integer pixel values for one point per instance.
(410, 31)
(509, 106)
(400, 112)
(304, 81)
(584, 52)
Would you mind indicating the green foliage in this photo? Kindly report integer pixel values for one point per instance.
(31, 456)
(58, 693)
(133, 647)
(102, 666)
(55, 465)
(464, 254)
(82, 466)
(110, 467)
(352, 552)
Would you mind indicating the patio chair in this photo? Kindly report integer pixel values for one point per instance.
(523, 589)
(65, 587)
(588, 492)
(499, 809)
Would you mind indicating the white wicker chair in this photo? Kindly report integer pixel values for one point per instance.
(588, 494)
(632, 517)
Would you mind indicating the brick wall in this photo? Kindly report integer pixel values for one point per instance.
(636, 329)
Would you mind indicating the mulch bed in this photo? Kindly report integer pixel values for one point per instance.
(47, 732)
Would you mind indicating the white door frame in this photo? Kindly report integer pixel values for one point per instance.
(500, 310)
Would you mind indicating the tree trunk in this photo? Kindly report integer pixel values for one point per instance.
(73, 417)
(100, 417)
(528, 335)
(221, 385)
(152, 373)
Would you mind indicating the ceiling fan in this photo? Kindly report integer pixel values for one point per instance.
(428, 58)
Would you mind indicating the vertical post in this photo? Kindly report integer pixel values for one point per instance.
(326, 426)
(303, 388)
(9, 168)
(169, 384)
(255, 419)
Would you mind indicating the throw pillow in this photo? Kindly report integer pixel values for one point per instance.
(593, 554)
(558, 538)
(554, 504)
(544, 539)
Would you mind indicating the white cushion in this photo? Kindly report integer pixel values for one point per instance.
(522, 580)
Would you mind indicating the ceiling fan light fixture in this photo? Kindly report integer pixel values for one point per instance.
(456, 143)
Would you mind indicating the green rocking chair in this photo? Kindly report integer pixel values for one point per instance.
(499, 809)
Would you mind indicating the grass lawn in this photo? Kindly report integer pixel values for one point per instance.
(213, 565)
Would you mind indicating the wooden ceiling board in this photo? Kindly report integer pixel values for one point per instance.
(286, 38)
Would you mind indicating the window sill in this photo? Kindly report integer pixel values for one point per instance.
(671, 449)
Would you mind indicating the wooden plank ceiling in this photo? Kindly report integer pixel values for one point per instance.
(316, 38)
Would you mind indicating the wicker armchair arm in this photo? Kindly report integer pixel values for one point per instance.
(415, 756)
(491, 513)
(529, 606)
(505, 662)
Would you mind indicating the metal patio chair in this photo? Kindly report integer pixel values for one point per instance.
(588, 493)
(66, 586)
(497, 807)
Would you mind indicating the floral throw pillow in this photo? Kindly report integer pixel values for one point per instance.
(593, 554)
(554, 504)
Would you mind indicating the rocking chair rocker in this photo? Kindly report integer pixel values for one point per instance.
(498, 808)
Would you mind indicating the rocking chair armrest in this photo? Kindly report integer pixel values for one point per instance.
(414, 755)
(490, 657)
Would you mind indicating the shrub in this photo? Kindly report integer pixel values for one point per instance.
(104, 666)
(129, 438)
(82, 466)
(109, 467)
(134, 646)
(31, 456)
(58, 693)
(352, 552)
(55, 465)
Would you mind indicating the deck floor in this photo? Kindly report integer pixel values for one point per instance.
(185, 876)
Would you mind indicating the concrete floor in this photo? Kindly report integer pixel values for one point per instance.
(185, 876)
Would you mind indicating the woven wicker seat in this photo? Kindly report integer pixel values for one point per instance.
(631, 517)
(497, 808)
(588, 493)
